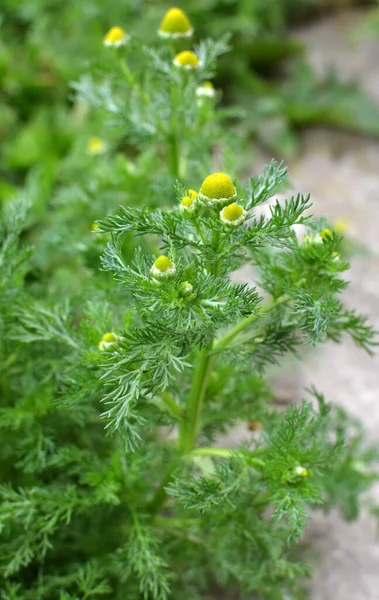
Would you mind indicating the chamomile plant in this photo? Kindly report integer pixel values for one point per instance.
(166, 360)
(193, 360)
(136, 126)
(114, 482)
(158, 94)
(144, 112)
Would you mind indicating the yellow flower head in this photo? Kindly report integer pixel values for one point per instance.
(95, 145)
(232, 215)
(110, 337)
(188, 202)
(175, 24)
(206, 89)
(108, 340)
(116, 37)
(301, 472)
(186, 60)
(163, 268)
(325, 233)
(217, 190)
(341, 225)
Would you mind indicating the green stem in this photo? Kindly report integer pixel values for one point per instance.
(226, 453)
(174, 149)
(199, 230)
(210, 451)
(173, 408)
(161, 521)
(234, 331)
(191, 424)
(161, 494)
(128, 75)
(131, 81)
(173, 139)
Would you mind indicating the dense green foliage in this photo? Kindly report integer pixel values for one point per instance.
(46, 45)
(117, 383)
(139, 514)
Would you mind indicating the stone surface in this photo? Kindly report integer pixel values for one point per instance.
(348, 554)
(342, 173)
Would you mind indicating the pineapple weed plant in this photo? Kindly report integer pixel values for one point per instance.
(114, 480)
(43, 47)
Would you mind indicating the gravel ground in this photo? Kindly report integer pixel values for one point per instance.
(342, 173)
(348, 187)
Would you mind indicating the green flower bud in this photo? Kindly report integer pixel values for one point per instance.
(186, 289)
(206, 89)
(116, 37)
(301, 472)
(187, 60)
(163, 268)
(108, 341)
(175, 24)
(189, 203)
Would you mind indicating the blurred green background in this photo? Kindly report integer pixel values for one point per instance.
(47, 45)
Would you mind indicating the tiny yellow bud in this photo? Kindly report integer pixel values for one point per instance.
(187, 202)
(108, 340)
(326, 233)
(175, 24)
(206, 89)
(336, 256)
(186, 60)
(94, 227)
(301, 472)
(163, 263)
(109, 337)
(307, 241)
(116, 37)
(217, 190)
(341, 225)
(95, 146)
(163, 267)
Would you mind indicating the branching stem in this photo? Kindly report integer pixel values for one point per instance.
(173, 408)
(190, 426)
(161, 494)
(226, 453)
(173, 137)
(127, 73)
(205, 361)
(234, 331)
